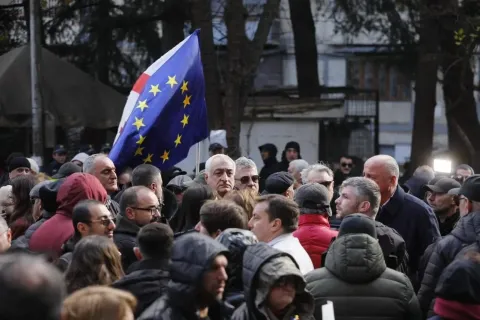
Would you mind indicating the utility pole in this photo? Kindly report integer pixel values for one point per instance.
(35, 60)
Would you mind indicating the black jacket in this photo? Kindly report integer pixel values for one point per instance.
(125, 238)
(254, 258)
(113, 207)
(414, 221)
(63, 262)
(270, 164)
(360, 285)
(444, 252)
(146, 280)
(192, 256)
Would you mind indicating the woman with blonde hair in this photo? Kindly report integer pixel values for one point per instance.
(99, 303)
(95, 261)
(245, 198)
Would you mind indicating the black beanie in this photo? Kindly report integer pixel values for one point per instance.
(293, 145)
(357, 223)
(19, 162)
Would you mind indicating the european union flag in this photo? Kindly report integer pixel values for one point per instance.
(166, 112)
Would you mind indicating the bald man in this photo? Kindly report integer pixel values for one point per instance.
(411, 217)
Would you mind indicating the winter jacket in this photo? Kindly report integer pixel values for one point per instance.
(260, 256)
(465, 233)
(63, 262)
(147, 280)
(291, 245)
(125, 238)
(393, 247)
(269, 164)
(358, 282)
(192, 255)
(315, 236)
(414, 221)
(52, 234)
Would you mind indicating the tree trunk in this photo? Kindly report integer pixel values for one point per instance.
(305, 47)
(104, 37)
(243, 60)
(202, 19)
(173, 24)
(425, 91)
(458, 85)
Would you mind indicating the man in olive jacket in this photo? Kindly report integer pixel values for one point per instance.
(356, 279)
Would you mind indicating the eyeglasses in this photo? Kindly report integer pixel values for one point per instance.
(246, 179)
(326, 184)
(153, 210)
(104, 222)
(346, 165)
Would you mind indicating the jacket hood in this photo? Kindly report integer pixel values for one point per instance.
(192, 255)
(272, 153)
(170, 204)
(291, 145)
(258, 256)
(467, 228)
(78, 187)
(355, 258)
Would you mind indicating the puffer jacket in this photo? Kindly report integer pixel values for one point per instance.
(192, 256)
(465, 233)
(52, 234)
(360, 285)
(315, 235)
(255, 258)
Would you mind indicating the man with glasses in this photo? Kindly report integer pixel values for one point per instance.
(139, 206)
(89, 217)
(246, 174)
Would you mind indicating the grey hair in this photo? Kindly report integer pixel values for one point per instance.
(389, 162)
(317, 167)
(299, 164)
(424, 172)
(243, 162)
(89, 164)
(366, 190)
(208, 164)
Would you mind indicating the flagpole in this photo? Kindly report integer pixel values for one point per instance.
(197, 158)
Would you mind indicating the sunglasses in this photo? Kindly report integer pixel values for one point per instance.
(326, 184)
(346, 165)
(246, 179)
(104, 222)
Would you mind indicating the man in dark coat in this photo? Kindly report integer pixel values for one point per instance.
(269, 157)
(274, 287)
(444, 252)
(411, 217)
(147, 278)
(198, 277)
(290, 153)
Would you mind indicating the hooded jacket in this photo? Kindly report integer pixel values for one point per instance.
(52, 234)
(192, 256)
(360, 285)
(255, 258)
(465, 233)
(315, 235)
(270, 164)
(147, 280)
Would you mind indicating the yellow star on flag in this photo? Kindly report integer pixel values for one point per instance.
(184, 87)
(142, 105)
(141, 139)
(186, 101)
(164, 156)
(139, 151)
(154, 89)
(138, 123)
(184, 120)
(178, 140)
(148, 158)
(171, 81)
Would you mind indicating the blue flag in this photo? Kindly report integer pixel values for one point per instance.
(166, 112)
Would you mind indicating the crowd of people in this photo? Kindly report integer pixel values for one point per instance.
(235, 242)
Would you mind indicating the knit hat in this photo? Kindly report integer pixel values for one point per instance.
(357, 223)
(278, 183)
(313, 198)
(81, 157)
(19, 162)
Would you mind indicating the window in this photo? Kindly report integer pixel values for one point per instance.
(391, 83)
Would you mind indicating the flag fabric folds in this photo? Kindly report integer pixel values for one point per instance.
(166, 112)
